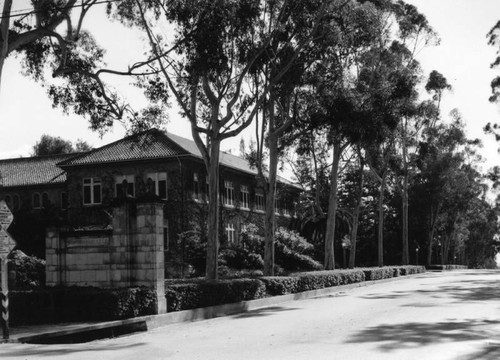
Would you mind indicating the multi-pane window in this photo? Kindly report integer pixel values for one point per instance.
(244, 197)
(230, 233)
(37, 202)
(276, 206)
(259, 201)
(92, 191)
(196, 187)
(160, 184)
(229, 193)
(120, 191)
(286, 210)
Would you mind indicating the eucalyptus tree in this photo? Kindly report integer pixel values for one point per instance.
(209, 63)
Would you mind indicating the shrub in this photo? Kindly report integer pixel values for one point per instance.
(322, 279)
(195, 251)
(29, 270)
(378, 273)
(186, 296)
(240, 258)
(293, 252)
(280, 285)
(70, 304)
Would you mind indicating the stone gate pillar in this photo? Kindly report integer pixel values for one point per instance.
(148, 261)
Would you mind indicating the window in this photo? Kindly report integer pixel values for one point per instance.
(259, 202)
(64, 200)
(160, 184)
(286, 210)
(119, 182)
(45, 199)
(244, 197)
(276, 206)
(230, 233)
(229, 193)
(196, 187)
(92, 191)
(36, 201)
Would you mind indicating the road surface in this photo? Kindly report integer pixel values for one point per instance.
(452, 315)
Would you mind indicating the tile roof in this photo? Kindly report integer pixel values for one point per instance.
(155, 144)
(152, 144)
(33, 171)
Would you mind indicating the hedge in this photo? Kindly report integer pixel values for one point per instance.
(186, 296)
(447, 267)
(73, 304)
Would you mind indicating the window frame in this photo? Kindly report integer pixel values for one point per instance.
(245, 197)
(158, 177)
(259, 205)
(37, 201)
(228, 193)
(131, 184)
(230, 233)
(93, 184)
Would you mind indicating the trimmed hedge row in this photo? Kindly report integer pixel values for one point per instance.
(388, 272)
(199, 293)
(186, 296)
(73, 304)
(447, 267)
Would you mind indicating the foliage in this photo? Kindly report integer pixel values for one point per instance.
(30, 270)
(209, 293)
(76, 304)
(54, 145)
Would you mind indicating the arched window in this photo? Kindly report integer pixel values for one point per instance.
(36, 201)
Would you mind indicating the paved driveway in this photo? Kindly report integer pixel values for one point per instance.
(453, 315)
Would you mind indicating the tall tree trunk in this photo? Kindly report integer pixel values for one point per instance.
(332, 209)
(380, 237)
(429, 249)
(4, 35)
(213, 211)
(355, 218)
(269, 219)
(405, 260)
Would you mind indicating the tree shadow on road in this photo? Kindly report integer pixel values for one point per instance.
(457, 291)
(263, 312)
(414, 334)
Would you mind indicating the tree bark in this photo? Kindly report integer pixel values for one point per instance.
(332, 209)
(213, 211)
(4, 35)
(405, 260)
(269, 219)
(355, 218)
(380, 237)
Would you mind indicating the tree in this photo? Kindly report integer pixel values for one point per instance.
(54, 145)
(218, 46)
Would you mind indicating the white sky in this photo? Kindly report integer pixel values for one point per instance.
(463, 57)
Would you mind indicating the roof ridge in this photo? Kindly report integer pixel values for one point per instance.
(40, 157)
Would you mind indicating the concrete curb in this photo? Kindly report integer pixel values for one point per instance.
(155, 321)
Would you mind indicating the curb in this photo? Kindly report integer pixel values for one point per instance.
(146, 323)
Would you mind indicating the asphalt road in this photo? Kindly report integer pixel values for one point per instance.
(453, 315)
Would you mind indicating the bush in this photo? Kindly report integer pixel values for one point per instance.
(70, 304)
(29, 270)
(195, 251)
(322, 279)
(209, 293)
(378, 273)
(293, 252)
(240, 258)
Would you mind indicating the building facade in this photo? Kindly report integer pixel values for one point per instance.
(78, 192)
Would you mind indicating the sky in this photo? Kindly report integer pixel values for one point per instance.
(463, 57)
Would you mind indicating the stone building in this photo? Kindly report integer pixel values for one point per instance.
(80, 192)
